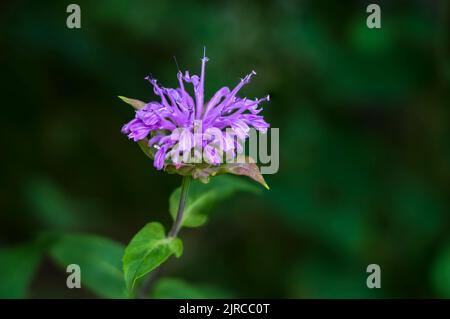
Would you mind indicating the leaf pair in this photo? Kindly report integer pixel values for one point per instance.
(150, 247)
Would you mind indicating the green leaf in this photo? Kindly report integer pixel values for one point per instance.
(440, 273)
(99, 260)
(203, 197)
(17, 267)
(136, 104)
(171, 288)
(148, 249)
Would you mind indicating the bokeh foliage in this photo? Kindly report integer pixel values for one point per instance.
(364, 126)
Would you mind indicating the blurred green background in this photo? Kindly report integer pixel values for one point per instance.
(364, 126)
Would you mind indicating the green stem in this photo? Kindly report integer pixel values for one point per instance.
(178, 220)
(149, 281)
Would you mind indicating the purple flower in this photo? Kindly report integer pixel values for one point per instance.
(183, 129)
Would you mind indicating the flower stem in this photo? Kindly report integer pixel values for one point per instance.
(184, 192)
(149, 281)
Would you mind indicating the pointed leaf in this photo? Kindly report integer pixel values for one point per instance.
(136, 104)
(249, 168)
(99, 260)
(17, 267)
(148, 249)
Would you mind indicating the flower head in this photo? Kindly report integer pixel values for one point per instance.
(185, 130)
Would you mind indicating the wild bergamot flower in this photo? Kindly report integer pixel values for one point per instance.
(189, 136)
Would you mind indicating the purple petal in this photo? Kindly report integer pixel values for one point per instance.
(160, 157)
(216, 99)
(211, 155)
(228, 142)
(256, 121)
(240, 128)
(186, 140)
(136, 130)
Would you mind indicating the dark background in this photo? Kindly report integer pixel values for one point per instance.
(364, 139)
